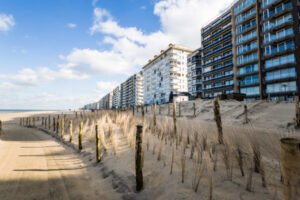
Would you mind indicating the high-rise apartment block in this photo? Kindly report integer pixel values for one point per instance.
(165, 77)
(132, 91)
(252, 48)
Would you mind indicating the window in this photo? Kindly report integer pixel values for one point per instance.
(248, 69)
(219, 84)
(218, 75)
(269, 25)
(243, 5)
(250, 90)
(245, 48)
(227, 73)
(280, 61)
(244, 16)
(246, 26)
(249, 80)
(282, 87)
(278, 35)
(271, 49)
(247, 58)
(242, 38)
(230, 82)
(280, 74)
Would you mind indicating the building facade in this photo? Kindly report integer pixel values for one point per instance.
(165, 77)
(132, 91)
(116, 99)
(195, 74)
(252, 49)
(217, 59)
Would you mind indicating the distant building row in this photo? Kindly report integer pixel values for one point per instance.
(253, 48)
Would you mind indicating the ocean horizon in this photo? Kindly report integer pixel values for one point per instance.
(21, 110)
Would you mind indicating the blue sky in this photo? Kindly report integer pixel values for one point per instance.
(62, 54)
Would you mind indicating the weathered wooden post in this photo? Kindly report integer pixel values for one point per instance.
(0, 127)
(297, 111)
(138, 159)
(290, 155)
(43, 122)
(54, 124)
(49, 124)
(146, 109)
(218, 120)
(57, 125)
(133, 110)
(194, 108)
(168, 109)
(20, 121)
(98, 152)
(179, 109)
(33, 121)
(154, 114)
(159, 109)
(246, 113)
(174, 118)
(71, 130)
(80, 137)
(62, 128)
(143, 112)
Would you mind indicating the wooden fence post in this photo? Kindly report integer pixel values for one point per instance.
(138, 159)
(0, 127)
(154, 114)
(98, 152)
(71, 130)
(174, 118)
(179, 109)
(133, 110)
(54, 124)
(194, 108)
(159, 110)
(143, 112)
(49, 124)
(246, 113)
(80, 137)
(43, 121)
(168, 109)
(62, 128)
(290, 155)
(218, 120)
(57, 125)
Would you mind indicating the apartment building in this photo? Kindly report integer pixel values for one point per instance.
(251, 49)
(116, 98)
(195, 74)
(132, 91)
(106, 102)
(217, 56)
(165, 76)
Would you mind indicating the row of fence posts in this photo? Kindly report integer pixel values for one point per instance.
(290, 150)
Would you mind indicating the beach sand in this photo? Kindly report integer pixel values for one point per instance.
(114, 177)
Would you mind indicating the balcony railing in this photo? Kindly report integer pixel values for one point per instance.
(217, 42)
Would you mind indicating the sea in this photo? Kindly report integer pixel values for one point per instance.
(19, 110)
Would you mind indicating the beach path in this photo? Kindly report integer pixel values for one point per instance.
(34, 166)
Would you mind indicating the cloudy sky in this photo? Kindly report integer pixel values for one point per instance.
(62, 54)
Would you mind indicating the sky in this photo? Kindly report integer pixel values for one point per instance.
(63, 54)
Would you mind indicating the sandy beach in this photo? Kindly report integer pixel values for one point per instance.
(38, 160)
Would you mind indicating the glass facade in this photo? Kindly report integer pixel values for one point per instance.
(250, 90)
(248, 69)
(274, 62)
(248, 36)
(277, 48)
(282, 87)
(281, 74)
(248, 80)
(247, 58)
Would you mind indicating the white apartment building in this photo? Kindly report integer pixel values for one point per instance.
(132, 91)
(166, 74)
(116, 98)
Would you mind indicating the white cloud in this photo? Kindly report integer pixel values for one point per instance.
(71, 25)
(104, 87)
(94, 2)
(6, 22)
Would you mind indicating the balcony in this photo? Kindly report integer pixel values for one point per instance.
(197, 83)
(216, 25)
(216, 51)
(217, 42)
(223, 87)
(217, 33)
(218, 78)
(219, 60)
(219, 69)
